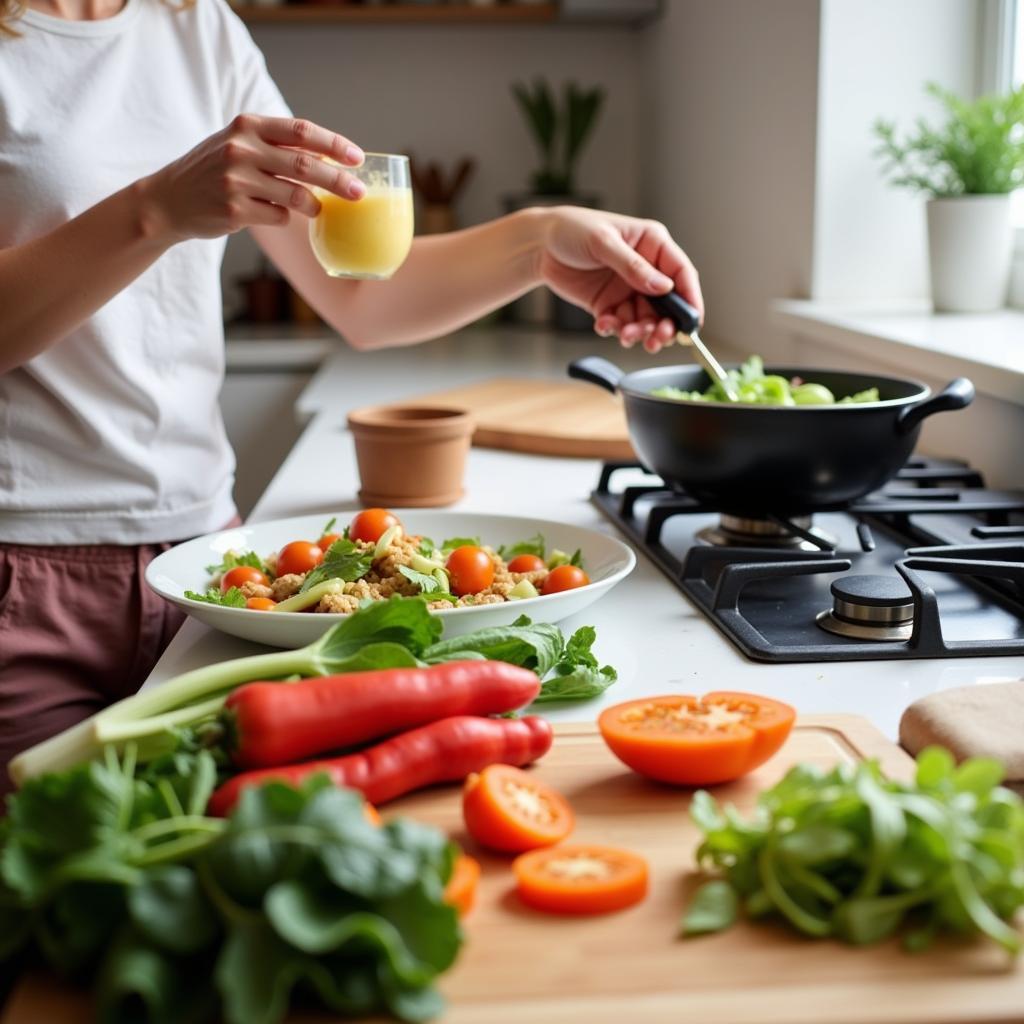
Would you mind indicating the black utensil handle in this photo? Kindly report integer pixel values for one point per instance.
(677, 309)
(957, 394)
(597, 371)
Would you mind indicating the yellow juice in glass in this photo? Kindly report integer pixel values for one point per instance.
(364, 238)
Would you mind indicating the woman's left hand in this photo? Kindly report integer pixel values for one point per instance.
(607, 263)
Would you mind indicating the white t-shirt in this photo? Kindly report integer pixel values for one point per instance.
(114, 434)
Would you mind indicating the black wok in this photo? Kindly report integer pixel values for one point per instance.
(787, 460)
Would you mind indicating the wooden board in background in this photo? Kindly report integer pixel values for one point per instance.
(542, 417)
(524, 967)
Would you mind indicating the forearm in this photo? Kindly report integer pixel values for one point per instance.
(447, 281)
(50, 285)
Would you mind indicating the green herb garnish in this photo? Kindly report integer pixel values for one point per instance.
(231, 598)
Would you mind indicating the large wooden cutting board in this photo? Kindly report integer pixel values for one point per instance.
(523, 967)
(543, 417)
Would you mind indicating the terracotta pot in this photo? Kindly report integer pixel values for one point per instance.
(411, 456)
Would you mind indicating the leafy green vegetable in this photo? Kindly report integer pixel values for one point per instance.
(852, 854)
(330, 525)
(343, 560)
(173, 912)
(755, 387)
(426, 547)
(535, 645)
(428, 585)
(235, 558)
(713, 907)
(577, 675)
(533, 546)
(557, 558)
(231, 598)
(460, 542)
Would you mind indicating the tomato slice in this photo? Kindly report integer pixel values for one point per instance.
(696, 741)
(460, 892)
(510, 810)
(580, 879)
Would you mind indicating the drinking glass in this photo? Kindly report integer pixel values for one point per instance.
(366, 238)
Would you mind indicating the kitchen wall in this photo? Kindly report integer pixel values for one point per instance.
(731, 92)
(442, 93)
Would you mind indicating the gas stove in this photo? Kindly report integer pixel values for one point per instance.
(931, 566)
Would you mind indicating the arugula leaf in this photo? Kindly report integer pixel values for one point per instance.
(460, 542)
(532, 645)
(232, 598)
(427, 584)
(533, 546)
(713, 908)
(852, 854)
(343, 560)
(236, 558)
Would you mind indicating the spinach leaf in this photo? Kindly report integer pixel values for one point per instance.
(713, 908)
(232, 598)
(532, 645)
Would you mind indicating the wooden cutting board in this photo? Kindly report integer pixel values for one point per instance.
(523, 967)
(543, 417)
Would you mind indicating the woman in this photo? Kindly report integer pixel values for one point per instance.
(111, 347)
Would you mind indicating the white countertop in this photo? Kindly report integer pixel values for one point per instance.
(658, 641)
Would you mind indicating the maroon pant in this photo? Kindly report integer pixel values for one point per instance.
(79, 629)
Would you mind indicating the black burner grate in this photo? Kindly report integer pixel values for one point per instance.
(952, 541)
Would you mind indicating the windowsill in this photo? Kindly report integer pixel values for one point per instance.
(987, 347)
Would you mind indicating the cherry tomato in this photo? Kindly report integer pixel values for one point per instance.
(696, 741)
(470, 569)
(565, 577)
(580, 879)
(460, 892)
(327, 540)
(242, 574)
(260, 604)
(299, 557)
(371, 523)
(526, 563)
(507, 809)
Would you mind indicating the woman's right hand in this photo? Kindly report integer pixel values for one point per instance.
(257, 170)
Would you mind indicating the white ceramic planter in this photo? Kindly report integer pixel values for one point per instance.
(970, 247)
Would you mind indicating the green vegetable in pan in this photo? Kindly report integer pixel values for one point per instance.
(755, 387)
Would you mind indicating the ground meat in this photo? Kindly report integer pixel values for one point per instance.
(285, 586)
(253, 589)
(338, 604)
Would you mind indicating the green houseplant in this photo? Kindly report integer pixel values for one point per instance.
(967, 166)
(560, 126)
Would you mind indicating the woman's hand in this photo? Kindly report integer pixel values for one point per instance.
(607, 263)
(257, 170)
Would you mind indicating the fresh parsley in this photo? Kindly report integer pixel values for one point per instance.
(577, 675)
(231, 598)
(343, 560)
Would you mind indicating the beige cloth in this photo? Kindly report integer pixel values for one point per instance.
(971, 721)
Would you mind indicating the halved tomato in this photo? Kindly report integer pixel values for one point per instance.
(460, 892)
(696, 741)
(511, 810)
(580, 879)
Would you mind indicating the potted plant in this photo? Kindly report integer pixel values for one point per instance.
(968, 166)
(560, 131)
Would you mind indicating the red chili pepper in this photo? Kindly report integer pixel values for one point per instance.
(443, 751)
(270, 724)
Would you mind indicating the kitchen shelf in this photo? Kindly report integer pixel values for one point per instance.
(398, 14)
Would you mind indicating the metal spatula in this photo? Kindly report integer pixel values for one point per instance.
(687, 319)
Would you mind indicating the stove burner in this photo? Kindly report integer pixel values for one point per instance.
(748, 532)
(870, 608)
